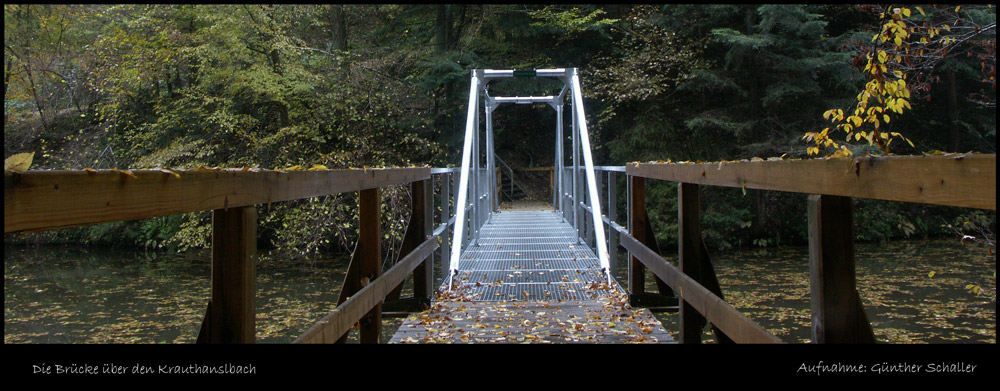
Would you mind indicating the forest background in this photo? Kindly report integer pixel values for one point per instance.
(380, 85)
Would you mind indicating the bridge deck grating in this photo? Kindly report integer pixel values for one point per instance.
(528, 279)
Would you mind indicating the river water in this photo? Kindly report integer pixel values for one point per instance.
(88, 295)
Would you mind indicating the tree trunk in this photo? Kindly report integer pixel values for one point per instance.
(38, 101)
(338, 22)
(442, 25)
(952, 111)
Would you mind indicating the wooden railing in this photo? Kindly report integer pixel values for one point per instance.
(48, 200)
(838, 316)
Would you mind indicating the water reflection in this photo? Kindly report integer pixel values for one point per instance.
(81, 295)
(904, 304)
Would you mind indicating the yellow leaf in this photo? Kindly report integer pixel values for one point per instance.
(19, 162)
(885, 117)
(317, 167)
(956, 10)
(906, 12)
(882, 56)
(921, 11)
(899, 42)
(841, 153)
(294, 168)
(128, 173)
(931, 274)
(168, 172)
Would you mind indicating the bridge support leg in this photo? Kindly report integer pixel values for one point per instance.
(366, 264)
(419, 222)
(695, 262)
(231, 312)
(637, 226)
(837, 313)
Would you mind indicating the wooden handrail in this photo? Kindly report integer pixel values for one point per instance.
(339, 321)
(47, 200)
(736, 325)
(967, 180)
(964, 180)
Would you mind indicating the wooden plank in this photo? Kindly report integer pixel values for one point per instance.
(958, 180)
(231, 313)
(45, 200)
(637, 273)
(730, 320)
(339, 321)
(837, 312)
(534, 169)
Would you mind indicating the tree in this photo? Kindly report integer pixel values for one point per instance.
(901, 62)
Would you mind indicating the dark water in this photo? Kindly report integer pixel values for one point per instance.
(81, 295)
(903, 303)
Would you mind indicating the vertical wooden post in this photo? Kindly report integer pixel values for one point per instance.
(418, 223)
(837, 312)
(689, 257)
(695, 262)
(637, 226)
(366, 264)
(231, 314)
(370, 250)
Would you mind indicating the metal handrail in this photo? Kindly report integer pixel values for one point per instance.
(470, 151)
(588, 159)
(471, 125)
(510, 173)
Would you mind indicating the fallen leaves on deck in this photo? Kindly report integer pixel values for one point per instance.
(456, 318)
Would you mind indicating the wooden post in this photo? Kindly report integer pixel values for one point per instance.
(366, 263)
(690, 257)
(419, 210)
(695, 262)
(837, 312)
(637, 226)
(231, 312)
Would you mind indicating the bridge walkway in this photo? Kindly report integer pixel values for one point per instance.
(528, 279)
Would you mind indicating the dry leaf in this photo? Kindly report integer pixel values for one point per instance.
(19, 162)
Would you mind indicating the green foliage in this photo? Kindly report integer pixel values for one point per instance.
(136, 86)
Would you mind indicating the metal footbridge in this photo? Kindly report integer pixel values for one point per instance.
(539, 273)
